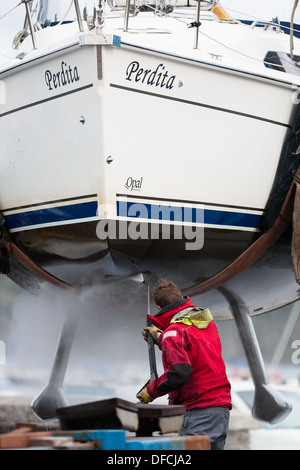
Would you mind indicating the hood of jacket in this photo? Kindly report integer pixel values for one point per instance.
(195, 316)
(182, 311)
(164, 316)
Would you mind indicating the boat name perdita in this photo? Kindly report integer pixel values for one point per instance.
(65, 76)
(158, 77)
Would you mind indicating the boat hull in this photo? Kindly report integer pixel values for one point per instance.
(133, 138)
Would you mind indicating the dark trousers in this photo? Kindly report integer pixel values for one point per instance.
(212, 422)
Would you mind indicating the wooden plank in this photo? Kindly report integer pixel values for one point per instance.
(197, 442)
(19, 439)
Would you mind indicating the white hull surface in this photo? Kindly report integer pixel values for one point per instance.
(214, 141)
(134, 126)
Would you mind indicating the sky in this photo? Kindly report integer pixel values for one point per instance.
(9, 26)
(13, 22)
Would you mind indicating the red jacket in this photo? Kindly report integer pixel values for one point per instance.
(194, 370)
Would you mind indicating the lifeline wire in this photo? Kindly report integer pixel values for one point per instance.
(7, 13)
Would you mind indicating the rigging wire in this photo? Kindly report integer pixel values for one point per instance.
(256, 18)
(66, 14)
(292, 29)
(12, 9)
(161, 13)
(237, 51)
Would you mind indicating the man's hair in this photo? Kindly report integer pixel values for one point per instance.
(166, 292)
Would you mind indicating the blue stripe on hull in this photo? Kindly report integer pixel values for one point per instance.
(150, 212)
(194, 215)
(52, 215)
(234, 219)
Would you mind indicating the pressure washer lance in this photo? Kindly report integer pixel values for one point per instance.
(151, 352)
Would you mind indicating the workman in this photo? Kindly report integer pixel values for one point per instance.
(194, 370)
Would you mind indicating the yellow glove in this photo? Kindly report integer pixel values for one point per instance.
(144, 396)
(154, 332)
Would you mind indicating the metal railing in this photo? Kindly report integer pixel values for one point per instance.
(31, 25)
(200, 5)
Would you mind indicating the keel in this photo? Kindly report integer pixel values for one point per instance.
(269, 405)
(52, 397)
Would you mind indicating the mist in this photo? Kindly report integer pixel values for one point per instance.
(109, 356)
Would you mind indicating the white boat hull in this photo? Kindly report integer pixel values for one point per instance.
(93, 131)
